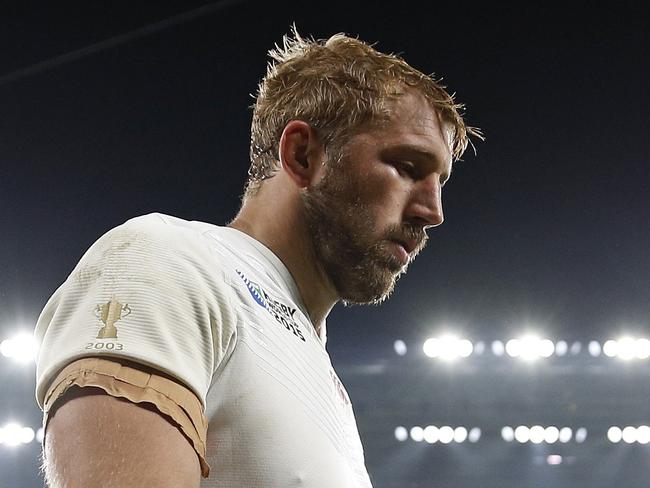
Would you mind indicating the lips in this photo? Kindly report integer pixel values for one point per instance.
(407, 244)
(401, 250)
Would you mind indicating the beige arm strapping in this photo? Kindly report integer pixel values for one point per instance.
(120, 380)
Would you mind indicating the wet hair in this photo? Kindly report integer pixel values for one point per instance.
(336, 85)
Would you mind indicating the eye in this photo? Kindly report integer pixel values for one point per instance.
(406, 168)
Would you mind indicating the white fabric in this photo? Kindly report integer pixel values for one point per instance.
(219, 311)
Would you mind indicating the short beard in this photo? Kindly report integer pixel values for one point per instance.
(361, 270)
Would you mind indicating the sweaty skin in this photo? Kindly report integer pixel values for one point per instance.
(340, 220)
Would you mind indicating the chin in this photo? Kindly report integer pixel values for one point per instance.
(372, 291)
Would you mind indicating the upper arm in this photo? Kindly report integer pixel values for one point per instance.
(145, 316)
(94, 439)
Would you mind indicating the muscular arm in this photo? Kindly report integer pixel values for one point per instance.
(96, 440)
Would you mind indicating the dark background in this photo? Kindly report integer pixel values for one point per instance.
(546, 227)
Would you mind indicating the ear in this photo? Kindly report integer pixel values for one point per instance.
(301, 153)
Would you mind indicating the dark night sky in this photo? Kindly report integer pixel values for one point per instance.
(546, 228)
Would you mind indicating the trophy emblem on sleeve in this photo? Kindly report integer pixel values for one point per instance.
(109, 313)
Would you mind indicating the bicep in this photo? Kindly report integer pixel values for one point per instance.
(94, 439)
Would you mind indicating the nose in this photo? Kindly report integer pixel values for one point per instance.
(425, 205)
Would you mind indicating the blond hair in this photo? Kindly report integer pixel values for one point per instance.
(336, 85)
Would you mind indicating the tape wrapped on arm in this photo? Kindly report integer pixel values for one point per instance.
(138, 385)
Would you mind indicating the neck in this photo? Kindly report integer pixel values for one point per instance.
(289, 239)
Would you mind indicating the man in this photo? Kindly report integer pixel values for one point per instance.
(168, 327)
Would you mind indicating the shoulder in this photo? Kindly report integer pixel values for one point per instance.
(155, 233)
(161, 226)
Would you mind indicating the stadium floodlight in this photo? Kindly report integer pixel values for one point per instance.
(610, 348)
(626, 348)
(565, 435)
(498, 348)
(401, 434)
(40, 434)
(446, 434)
(537, 434)
(614, 434)
(474, 435)
(530, 348)
(643, 434)
(594, 348)
(581, 435)
(464, 348)
(551, 434)
(432, 347)
(561, 348)
(545, 348)
(629, 435)
(508, 434)
(522, 434)
(513, 348)
(431, 434)
(460, 434)
(400, 347)
(417, 433)
(642, 348)
(14, 434)
(447, 347)
(21, 348)
(479, 348)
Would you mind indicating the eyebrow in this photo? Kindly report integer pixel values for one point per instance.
(424, 154)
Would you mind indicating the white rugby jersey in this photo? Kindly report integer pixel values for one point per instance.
(218, 311)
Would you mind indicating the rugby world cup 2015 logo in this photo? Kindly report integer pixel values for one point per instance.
(283, 314)
(254, 289)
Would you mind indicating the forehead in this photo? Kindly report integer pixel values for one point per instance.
(412, 120)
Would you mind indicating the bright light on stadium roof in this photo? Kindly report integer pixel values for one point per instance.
(460, 434)
(629, 434)
(446, 434)
(522, 434)
(508, 434)
(643, 434)
(530, 348)
(561, 348)
(627, 348)
(594, 348)
(581, 435)
(610, 348)
(401, 434)
(565, 435)
(417, 433)
(14, 434)
(642, 348)
(474, 435)
(551, 434)
(40, 434)
(21, 347)
(498, 348)
(614, 434)
(431, 434)
(537, 434)
(400, 347)
(447, 347)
